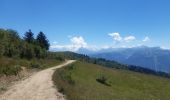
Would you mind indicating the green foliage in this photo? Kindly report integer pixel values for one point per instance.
(11, 45)
(3, 88)
(14, 47)
(59, 58)
(35, 65)
(11, 66)
(2, 42)
(17, 69)
(10, 70)
(39, 52)
(42, 41)
(29, 37)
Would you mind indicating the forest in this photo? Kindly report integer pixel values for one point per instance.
(12, 45)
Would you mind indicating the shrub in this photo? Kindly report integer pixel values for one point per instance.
(10, 70)
(103, 80)
(35, 65)
(3, 88)
(16, 70)
(70, 67)
(61, 90)
(59, 58)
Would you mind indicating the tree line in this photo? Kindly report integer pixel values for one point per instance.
(12, 45)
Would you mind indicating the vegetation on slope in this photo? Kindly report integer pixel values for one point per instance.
(79, 82)
(20, 56)
(28, 51)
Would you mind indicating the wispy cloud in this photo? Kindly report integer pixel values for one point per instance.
(115, 36)
(118, 38)
(146, 39)
(129, 38)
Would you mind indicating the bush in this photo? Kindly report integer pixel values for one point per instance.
(16, 70)
(70, 67)
(10, 70)
(35, 65)
(2, 88)
(61, 90)
(59, 58)
(103, 80)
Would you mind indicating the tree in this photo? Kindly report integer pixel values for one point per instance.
(27, 51)
(39, 52)
(13, 35)
(9, 43)
(29, 37)
(2, 41)
(42, 41)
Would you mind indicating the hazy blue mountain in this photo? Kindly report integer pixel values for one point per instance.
(149, 57)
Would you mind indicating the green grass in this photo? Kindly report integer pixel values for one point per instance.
(11, 66)
(78, 82)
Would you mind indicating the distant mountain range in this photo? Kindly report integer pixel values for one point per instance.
(153, 58)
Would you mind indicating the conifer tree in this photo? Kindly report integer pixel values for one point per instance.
(29, 37)
(42, 40)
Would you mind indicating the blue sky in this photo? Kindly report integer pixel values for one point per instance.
(90, 23)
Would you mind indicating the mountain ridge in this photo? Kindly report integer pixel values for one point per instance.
(154, 58)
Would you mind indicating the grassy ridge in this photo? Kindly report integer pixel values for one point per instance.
(78, 82)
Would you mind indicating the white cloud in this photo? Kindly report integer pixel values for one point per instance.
(146, 39)
(115, 36)
(76, 43)
(129, 38)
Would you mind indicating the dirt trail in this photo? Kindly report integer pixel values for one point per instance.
(37, 87)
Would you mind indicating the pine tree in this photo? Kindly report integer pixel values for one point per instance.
(29, 37)
(42, 40)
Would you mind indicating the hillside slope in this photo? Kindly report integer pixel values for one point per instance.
(78, 82)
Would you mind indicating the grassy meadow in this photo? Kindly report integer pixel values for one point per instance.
(78, 81)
